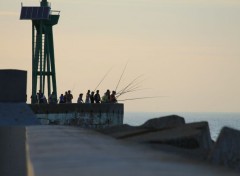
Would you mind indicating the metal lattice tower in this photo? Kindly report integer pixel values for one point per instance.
(43, 59)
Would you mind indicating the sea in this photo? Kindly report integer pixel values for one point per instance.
(216, 120)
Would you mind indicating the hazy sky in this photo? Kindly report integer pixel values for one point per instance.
(187, 50)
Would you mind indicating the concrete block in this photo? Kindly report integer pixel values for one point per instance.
(13, 85)
(16, 114)
(164, 122)
(191, 136)
(226, 150)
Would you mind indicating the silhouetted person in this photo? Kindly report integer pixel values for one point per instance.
(80, 100)
(105, 98)
(61, 99)
(65, 97)
(69, 97)
(40, 97)
(113, 98)
(44, 100)
(97, 97)
(87, 100)
(108, 95)
(52, 98)
(92, 97)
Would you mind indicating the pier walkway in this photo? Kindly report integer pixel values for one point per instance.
(71, 151)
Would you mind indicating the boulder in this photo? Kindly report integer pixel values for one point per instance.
(191, 136)
(226, 150)
(164, 122)
(123, 131)
(114, 129)
(192, 140)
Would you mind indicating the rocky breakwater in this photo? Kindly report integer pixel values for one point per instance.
(193, 140)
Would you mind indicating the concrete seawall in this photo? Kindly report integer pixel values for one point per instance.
(84, 115)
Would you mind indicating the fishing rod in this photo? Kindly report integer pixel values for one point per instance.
(103, 79)
(121, 76)
(133, 88)
(138, 98)
(130, 91)
(73, 87)
(130, 84)
(127, 90)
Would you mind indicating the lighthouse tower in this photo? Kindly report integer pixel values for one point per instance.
(43, 59)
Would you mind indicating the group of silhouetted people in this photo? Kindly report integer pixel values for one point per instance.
(91, 97)
(66, 98)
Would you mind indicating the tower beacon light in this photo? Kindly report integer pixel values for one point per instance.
(43, 59)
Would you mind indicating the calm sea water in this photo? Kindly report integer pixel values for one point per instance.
(216, 120)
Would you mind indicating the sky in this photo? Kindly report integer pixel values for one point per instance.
(187, 51)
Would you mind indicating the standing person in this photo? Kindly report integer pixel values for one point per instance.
(113, 98)
(37, 98)
(61, 99)
(65, 97)
(44, 100)
(87, 100)
(108, 95)
(97, 97)
(80, 100)
(40, 97)
(52, 98)
(105, 98)
(69, 97)
(92, 97)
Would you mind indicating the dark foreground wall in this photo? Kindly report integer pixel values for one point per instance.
(13, 85)
(12, 151)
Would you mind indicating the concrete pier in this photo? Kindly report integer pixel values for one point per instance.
(72, 151)
(30, 149)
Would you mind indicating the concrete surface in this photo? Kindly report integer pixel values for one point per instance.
(16, 114)
(72, 151)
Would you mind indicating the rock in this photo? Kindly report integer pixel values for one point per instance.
(114, 129)
(123, 131)
(191, 136)
(226, 150)
(164, 122)
(192, 140)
